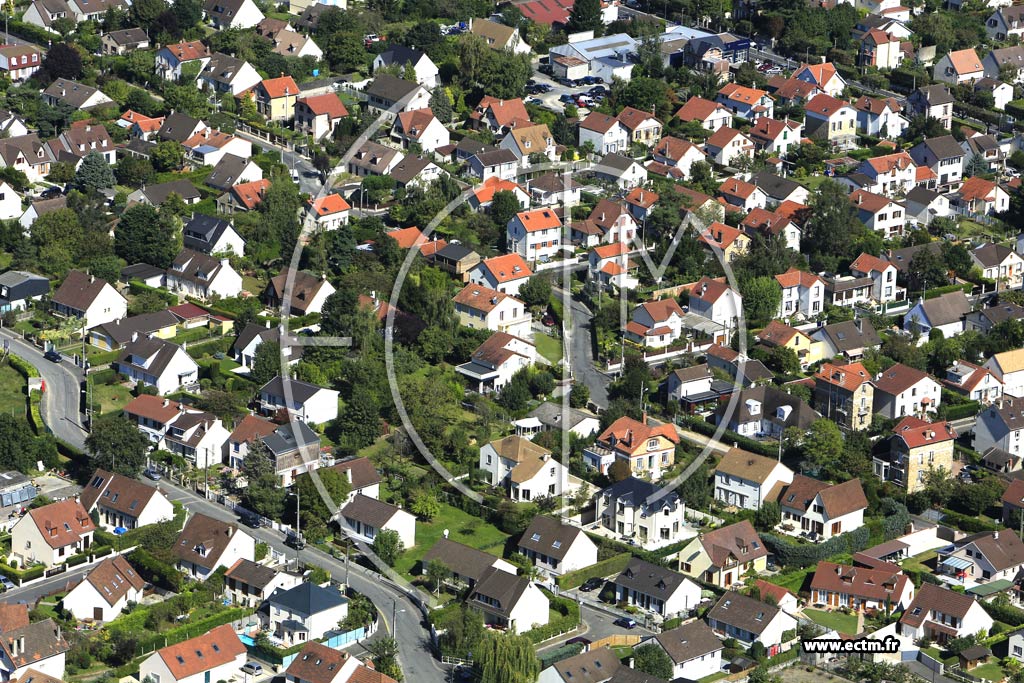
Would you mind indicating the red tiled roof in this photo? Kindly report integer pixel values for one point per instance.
(280, 87)
(202, 653)
(406, 237)
(508, 267)
(975, 188)
(866, 263)
(539, 219)
(850, 376)
(251, 194)
(332, 203)
(824, 105)
(797, 278)
(62, 523)
(698, 109)
(185, 52)
(645, 199)
(329, 104)
(156, 408)
(916, 432)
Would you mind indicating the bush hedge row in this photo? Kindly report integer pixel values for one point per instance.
(790, 554)
(569, 620)
(22, 366)
(612, 565)
(698, 425)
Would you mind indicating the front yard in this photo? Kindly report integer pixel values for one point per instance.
(462, 528)
(837, 621)
(549, 347)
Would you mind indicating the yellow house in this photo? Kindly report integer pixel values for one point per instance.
(732, 242)
(722, 557)
(916, 447)
(806, 349)
(845, 395)
(276, 98)
(828, 118)
(648, 449)
(113, 335)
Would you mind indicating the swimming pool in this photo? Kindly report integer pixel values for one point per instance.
(247, 640)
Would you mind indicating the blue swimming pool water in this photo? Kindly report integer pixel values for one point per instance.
(248, 641)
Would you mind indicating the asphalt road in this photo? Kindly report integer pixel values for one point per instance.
(581, 353)
(409, 628)
(309, 177)
(62, 397)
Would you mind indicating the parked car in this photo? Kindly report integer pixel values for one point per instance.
(251, 519)
(53, 355)
(625, 622)
(253, 668)
(6, 583)
(295, 541)
(585, 642)
(51, 193)
(566, 98)
(592, 583)
(153, 473)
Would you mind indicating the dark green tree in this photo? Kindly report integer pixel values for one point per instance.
(388, 546)
(266, 365)
(145, 236)
(579, 395)
(94, 174)
(63, 61)
(585, 16)
(652, 660)
(116, 445)
(263, 494)
(506, 658)
(536, 292)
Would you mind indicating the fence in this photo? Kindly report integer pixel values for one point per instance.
(617, 640)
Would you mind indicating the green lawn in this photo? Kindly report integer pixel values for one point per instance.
(992, 671)
(12, 392)
(793, 580)
(111, 397)
(462, 527)
(917, 562)
(841, 623)
(549, 347)
(812, 182)
(252, 285)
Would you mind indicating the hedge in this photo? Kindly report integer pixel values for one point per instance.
(105, 376)
(559, 654)
(958, 412)
(897, 517)
(31, 32)
(939, 291)
(707, 429)
(22, 575)
(789, 554)
(613, 565)
(139, 287)
(1004, 613)
(971, 525)
(569, 620)
(22, 366)
(35, 414)
(181, 633)
(155, 571)
(1015, 108)
(103, 358)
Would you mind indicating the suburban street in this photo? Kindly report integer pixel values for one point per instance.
(309, 177)
(581, 353)
(62, 398)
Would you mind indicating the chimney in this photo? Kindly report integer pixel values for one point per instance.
(859, 325)
(166, 402)
(995, 535)
(135, 337)
(92, 278)
(267, 323)
(348, 475)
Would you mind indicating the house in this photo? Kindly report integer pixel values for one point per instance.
(631, 508)
(710, 115)
(401, 56)
(250, 429)
(483, 194)
(365, 517)
(19, 287)
(308, 402)
(1013, 499)
(716, 301)
(249, 584)
(747, 480)
(496, 361)
(21, 61)
(202, 276)
(51, 534)
(482, 308)
(883, 277)
(803, 294)
(156, 195)
(747, 371)
(494, 163)
(225, 14)
(862, 589)
(974, 382)
(212, 235)
(82, 139)
(641, 202)
(88, 298)
(766, 412)
(641, 126)
(775, 137)
(1001, 58)
(983, 557)
(317, 115)
(535, 235)
(941, 615)
(657, 589)
(727, 146)
(317, 663)
(556, 548)
(499, 115)
(468, 566)
(226, 74)
(31, 651)
(614, 221)
(679, 155)
(415, 171)
(77, 95)
(122, 502)
(880, 49)
(510, 602)
(816, 509)
(743, 196)
(597, 665)
(305, 612)
(750, 621)
(295, 450)
(1005, 22)
(193, 434)
(823, 76)
(40, 208)
(879, 213)
(881, 117)
(915, 448)
(205, 544)
(944, 313)
(944, 156)
(124, 41)
(721, 557)
(105, 591)
(179, 127)
(889, 174)
(744, 102)
(1002, 93)
(170, 59)
(985, 152)
(832, 120)
(783, 597)
(725, 242)
(778, 334)
(646, 448)
(276, 97)
(301, 292)
(553, 189)
(845, 395)
(983, 197)
(695, 650)
(610, 266)
(499, 37)
(998, 426)
(998, 262)
(503, 273)
(902, 390)
(248, 342)
(959, 66)
(622, 170)
(419, 127)
(924, 204)
(27, 154)
(330, 212)
(606, 57)
(389, 96)
(191, 316)
(526, 469)
(374, 159)
(1008, 366)
(849, 338)
(216, 655)
(782, 192)
(158, 363)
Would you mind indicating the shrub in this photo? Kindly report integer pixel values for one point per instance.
(569, 620)
(790, 554)
(613, 565)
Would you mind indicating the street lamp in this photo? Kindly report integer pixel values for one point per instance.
(394, 615)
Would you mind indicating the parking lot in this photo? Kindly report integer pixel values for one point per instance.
(552, 98)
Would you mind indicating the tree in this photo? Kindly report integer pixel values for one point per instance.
(425, 504)
(579, 395)
(585, 16)
(823, 444)
(94, 174)
(619, 470)
(388, 546)
(504, 206)
(384, 653)
(144, 235)
(441, 103)
(167, 155)
(768, 516)
(262, 494)
(437, 573)
(63, 61)
(536, 292)
(761, 299)
(832, 227)
(652, 660)
(506, 658)
(145, 12)
(927, 270)
(266, 365)
(116, 445)
(134, 171)
(312, 503)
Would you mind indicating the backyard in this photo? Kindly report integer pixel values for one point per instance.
(12, 392)
(111, 397)
(462, 527)
(549, 347)
(837, 621)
